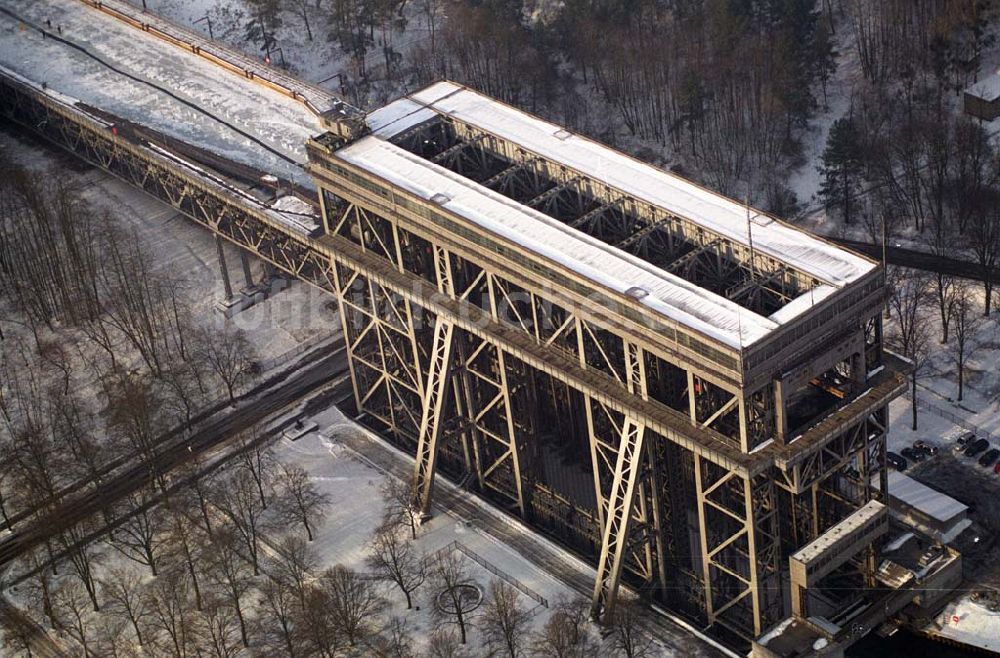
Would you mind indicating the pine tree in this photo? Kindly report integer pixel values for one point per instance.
(842, 167)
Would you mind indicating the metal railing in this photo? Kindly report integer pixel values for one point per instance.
(485, 564)
(923, 405)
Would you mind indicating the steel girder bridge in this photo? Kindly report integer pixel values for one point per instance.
(686, 468)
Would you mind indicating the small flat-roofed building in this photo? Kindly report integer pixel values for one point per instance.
(836, 546)
(935, 514)
(982, 100)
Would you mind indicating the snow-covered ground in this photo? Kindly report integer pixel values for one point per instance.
(353, 484)
(969, 622)
(938, 386)
(278, 121)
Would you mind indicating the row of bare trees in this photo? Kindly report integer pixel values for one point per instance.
(182, 573)
(913, 298)
(503, 622)
(100, 354)
(188, 561)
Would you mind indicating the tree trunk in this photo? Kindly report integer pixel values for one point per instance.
(913, 403)
(961, 372)
(243, 624)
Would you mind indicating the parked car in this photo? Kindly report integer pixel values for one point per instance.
(996, 469)
(976, 447)
(989, 457)
(896, 461)
(913, 454)
(964, 441)
(921, 446)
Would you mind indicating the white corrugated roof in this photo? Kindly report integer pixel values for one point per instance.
(669, 295)
(642, 181)
(988, 88)
(672, 296)
(931, 502)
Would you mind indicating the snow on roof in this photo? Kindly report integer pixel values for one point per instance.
(396, 117)
(829, 539)
(285, 215)
(642, 181)
(988, 88)
(669, 295)
(931, 502)
(803, 302)
(968, 622)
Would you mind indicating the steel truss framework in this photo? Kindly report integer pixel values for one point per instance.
(754, 281)
(450, 353)
(642, 518)
(207, 202)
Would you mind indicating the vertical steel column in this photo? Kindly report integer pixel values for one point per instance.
(435, 395)
(436, 388)
(245, 261)
(222, 266)
(619, 509)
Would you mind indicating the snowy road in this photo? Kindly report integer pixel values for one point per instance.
(279, 122)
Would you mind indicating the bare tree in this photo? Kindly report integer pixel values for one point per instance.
(40, 586)
(110, 641)
(503, 622)
(967, 323)
(563, 635)
(124, 593)
(280, 605)
(354, 605)
(204, 490)
(73, 607)
(136, 416)
(226, 567)
(945, 286)
(450, 576)
(186, 544)
(184, 384)
(445, 643)
(219, 634)
(82, 556)
(229, 355)
(398, 509)
(172, 615)
(139, 536)
(300, 498)
(393, 558)
(395, 641)
(17, 638)
(255, 456)
(983, 239)
(240, 501)
(909, 333)
(628, 637)
(294, 563)
(322, 634)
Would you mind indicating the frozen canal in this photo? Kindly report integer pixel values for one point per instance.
(228, 103)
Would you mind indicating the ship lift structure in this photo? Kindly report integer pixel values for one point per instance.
(680, 388)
